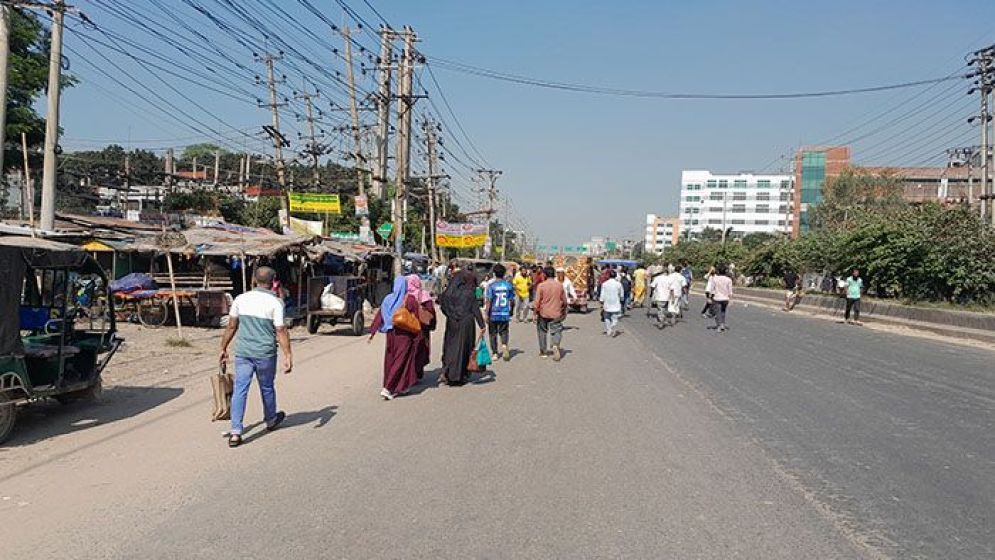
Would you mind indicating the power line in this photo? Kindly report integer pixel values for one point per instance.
(592, 89)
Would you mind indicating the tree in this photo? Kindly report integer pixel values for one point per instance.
(27, 81)
(710, 234)
(855, 192)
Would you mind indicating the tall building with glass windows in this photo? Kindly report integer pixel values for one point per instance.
(814, 166)
(662, 232)
(741, 203)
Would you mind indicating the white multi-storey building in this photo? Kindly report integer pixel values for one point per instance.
(661, 233)
(742, 203)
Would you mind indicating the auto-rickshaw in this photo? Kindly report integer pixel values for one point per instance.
(57, 330)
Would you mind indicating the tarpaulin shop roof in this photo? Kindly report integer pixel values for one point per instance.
(346, 251)
(221, 240)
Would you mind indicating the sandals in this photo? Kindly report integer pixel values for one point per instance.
(234, 440)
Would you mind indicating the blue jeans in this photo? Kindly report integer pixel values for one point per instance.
(611, 321)
(265, 372)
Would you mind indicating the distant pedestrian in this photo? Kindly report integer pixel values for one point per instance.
(256, 323)
(854, 289)
(639, 287)
(612, 302)
(568, 285)
(626, 281)
(685, 270)
(661, 293)
(459, 305)
(706, 311)
(497, 310)
(792, 289)
(550, 309)
(720, 286)
(523, 295)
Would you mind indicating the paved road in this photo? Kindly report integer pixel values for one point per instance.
(680, 444)
(892, 437)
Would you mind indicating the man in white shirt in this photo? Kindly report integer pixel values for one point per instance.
(660, 287)
(611, 303)
(256, 323)
(677, 284)
(568, 285)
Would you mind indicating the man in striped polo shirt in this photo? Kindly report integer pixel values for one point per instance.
(256, 323)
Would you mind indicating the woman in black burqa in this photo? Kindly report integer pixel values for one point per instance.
(459, 305)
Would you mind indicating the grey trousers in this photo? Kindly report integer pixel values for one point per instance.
(549, 328)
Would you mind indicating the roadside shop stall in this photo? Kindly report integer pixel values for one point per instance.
(197, 272)
(57, 328)
(345, 282)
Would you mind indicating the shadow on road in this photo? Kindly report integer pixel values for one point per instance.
(320, 418)
(42, 420)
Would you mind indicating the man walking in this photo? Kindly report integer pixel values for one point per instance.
(612, 296)
(854, 288)
(523, 289)
(661, 288)
(497, 309)
(568, 285)
(550, 309)
(256, 323)
(720, 286)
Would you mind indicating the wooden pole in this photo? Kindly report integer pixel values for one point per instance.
(176, 300)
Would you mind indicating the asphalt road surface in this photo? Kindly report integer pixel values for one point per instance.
(786, 437)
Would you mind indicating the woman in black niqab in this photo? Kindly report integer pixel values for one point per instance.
(459, 305)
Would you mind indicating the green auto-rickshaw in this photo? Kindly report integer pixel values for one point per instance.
(57, 330)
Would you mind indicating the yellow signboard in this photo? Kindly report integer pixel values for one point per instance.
(315, 202)
(460, 241)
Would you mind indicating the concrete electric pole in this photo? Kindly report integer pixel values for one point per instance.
(49, 169)
(983, 61)
(385, 67)
(279, 142)
(358, 161)
(491, 191)
(405, 104)
(314, 148)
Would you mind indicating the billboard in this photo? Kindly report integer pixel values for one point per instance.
(315, 203)
(460, 236)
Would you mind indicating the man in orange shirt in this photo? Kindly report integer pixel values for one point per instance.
(550, 310)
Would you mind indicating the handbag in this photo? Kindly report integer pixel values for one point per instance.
(424, 316)
(406, 321)
(480, 358)
(222, 385)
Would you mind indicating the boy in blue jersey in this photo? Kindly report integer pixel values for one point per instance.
(497, 309)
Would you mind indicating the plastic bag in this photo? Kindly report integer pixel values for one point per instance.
(483, 355)
(331, 301)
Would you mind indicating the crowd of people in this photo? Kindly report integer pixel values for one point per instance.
(478, 313)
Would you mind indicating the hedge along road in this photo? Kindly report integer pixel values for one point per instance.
(893, 437)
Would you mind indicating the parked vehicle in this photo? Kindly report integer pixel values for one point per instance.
(57, 325)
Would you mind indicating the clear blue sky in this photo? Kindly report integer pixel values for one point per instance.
(578, 165)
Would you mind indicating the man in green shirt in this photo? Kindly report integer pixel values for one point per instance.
(854, 287)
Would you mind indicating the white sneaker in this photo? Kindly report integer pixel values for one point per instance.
(387, 395)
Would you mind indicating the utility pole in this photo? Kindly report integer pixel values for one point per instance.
(491, 191)
(127, 183)
(314, 148)
(4, 58)
(49, 170)
(432, 155)
(385, 67)
(357, 154)
(217, 168)
(279, 142)
(984, 62)
(170, 169)
(405, 103)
